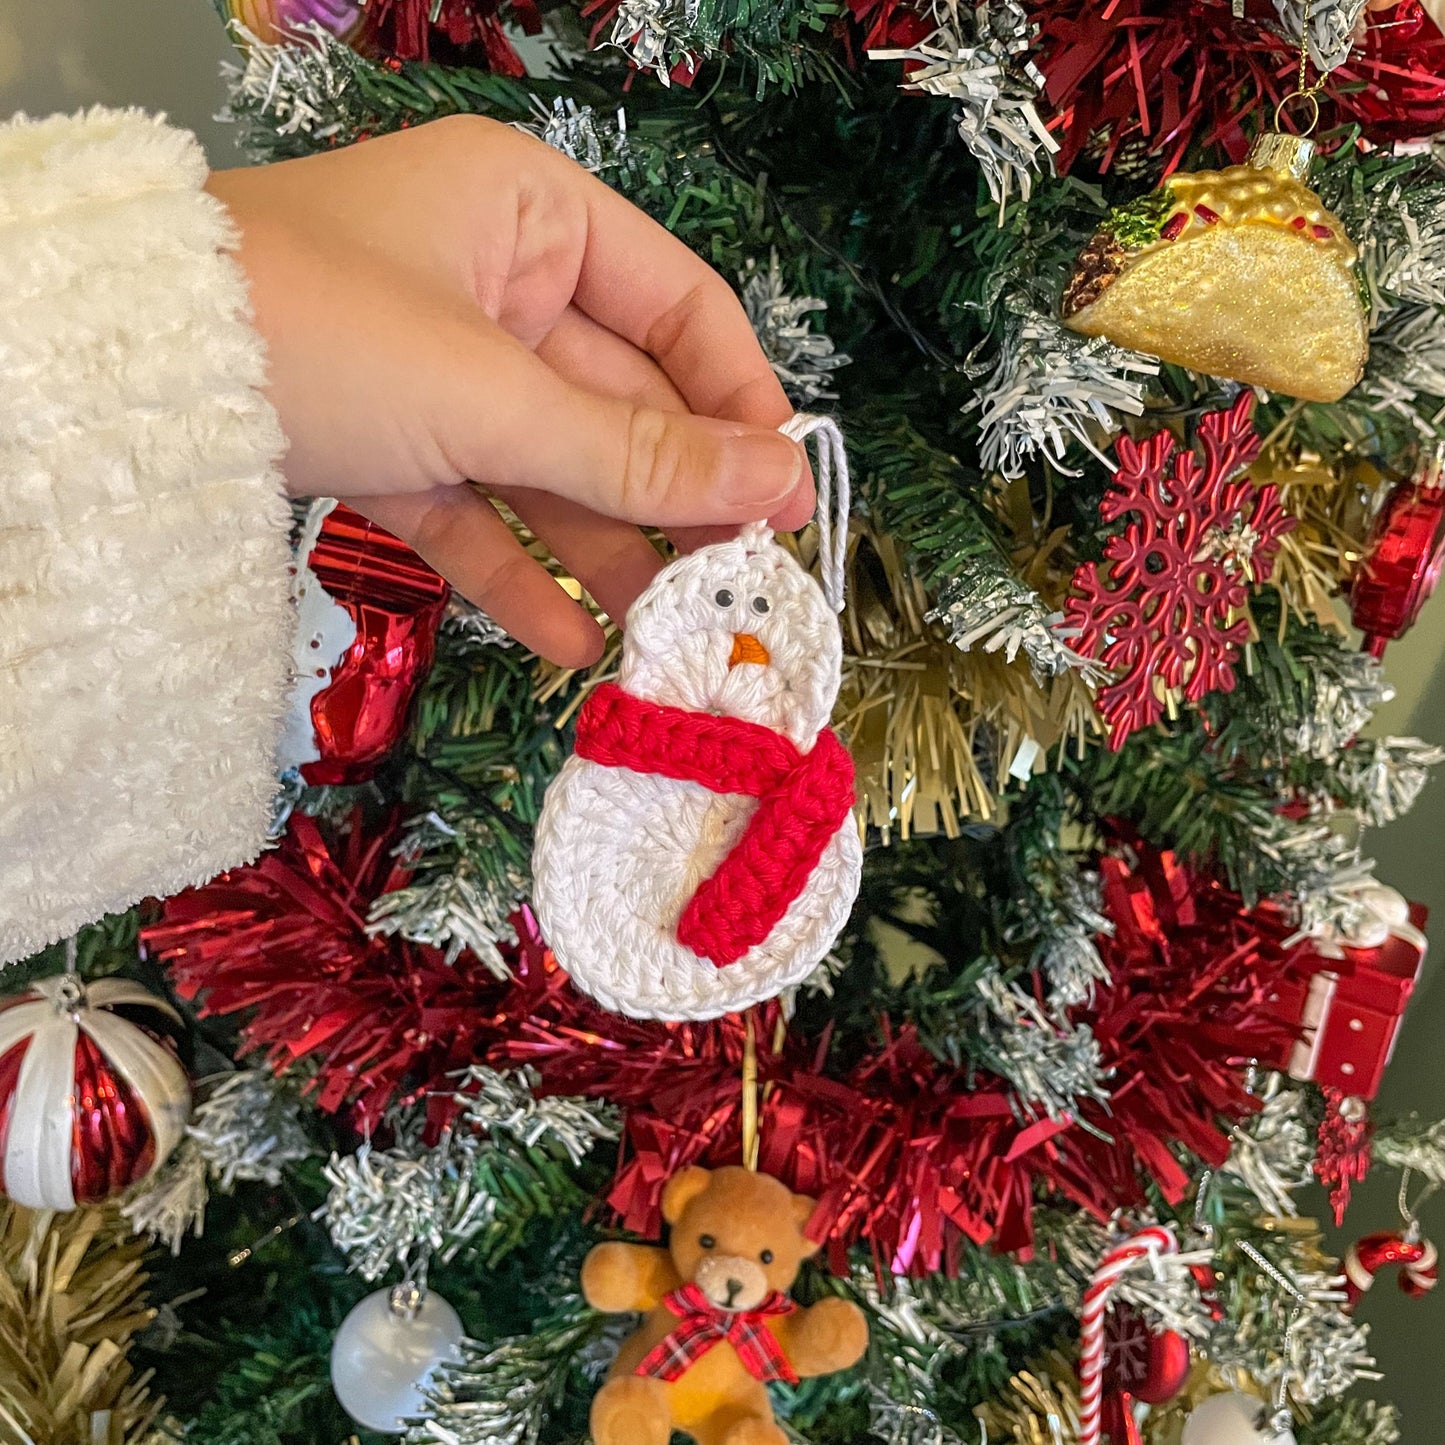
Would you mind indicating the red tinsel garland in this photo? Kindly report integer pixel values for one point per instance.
(902, 1151)
(1169, 74)
(405, 28)
(911, 1155)
(373, 1020)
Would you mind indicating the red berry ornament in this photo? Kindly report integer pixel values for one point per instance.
(396, 603)
(90, 1102)
(1402, 564)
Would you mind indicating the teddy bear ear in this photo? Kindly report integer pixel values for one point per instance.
(681, 1190)
(803, 1208)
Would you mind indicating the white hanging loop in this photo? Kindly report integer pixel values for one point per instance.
(835, 497)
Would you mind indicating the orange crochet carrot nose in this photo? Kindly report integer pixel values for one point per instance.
(747, 648)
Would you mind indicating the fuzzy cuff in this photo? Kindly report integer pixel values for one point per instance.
(144, 614)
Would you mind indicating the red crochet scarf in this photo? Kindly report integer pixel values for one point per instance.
(703, 1326)
(803, 799)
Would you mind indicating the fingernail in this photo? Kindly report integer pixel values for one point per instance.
(759, 470)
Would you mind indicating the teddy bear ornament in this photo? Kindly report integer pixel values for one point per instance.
(698, 854)
(718, 1325)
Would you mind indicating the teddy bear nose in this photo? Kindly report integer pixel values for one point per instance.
(735, 1288)
(747, 648)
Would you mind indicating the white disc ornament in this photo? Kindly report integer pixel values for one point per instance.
(91, 1102)
(1235, 1419)
(698, 853)
(386, 1351)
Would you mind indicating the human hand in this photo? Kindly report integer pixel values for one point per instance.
(461, 302)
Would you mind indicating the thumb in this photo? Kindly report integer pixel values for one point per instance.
(619, 457)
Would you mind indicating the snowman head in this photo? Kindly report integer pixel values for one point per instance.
(740, 630)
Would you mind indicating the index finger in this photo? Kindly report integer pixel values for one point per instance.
(642, 283)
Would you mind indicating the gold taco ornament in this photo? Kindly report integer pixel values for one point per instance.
(1239, 273)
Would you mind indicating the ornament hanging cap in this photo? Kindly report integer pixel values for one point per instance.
(835, 498)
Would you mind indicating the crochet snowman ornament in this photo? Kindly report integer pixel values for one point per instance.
(698, 854)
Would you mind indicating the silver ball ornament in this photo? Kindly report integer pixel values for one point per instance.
(387, 1349)
(1235, 1419)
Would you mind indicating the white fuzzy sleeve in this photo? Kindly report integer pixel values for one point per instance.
(144, 613)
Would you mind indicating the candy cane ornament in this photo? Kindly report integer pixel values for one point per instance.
(1147, 1245)
(1367, 1257)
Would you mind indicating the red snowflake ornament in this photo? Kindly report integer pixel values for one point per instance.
(1162, 613)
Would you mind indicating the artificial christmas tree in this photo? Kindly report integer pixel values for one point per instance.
(1112, 764)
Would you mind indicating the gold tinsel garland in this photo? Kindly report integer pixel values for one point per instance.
(72, 1299)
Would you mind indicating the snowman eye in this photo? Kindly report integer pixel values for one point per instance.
(761, 604)
(724, 598)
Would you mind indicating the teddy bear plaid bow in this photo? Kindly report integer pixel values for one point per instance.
(704, 1326)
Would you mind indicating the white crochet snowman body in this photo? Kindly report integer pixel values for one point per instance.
(736, 630)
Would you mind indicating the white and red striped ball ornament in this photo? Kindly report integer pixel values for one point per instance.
(90, 1102)
(1418, 1260)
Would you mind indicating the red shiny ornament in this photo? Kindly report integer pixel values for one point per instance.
(1162, 613)
(1402, 562)
(1150, 1365)
(396, 602)
(92, 1098)
(1419, 1262)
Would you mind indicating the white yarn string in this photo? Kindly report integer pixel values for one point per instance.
(835, 497)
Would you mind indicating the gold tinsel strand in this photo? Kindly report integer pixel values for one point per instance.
(1038, 1406)
(72, 1299)
(1333, 514)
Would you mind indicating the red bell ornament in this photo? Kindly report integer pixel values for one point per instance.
(1419, 1263)
(1402, 563)
(395, 604)
(1348, 1014)
(91, 1102)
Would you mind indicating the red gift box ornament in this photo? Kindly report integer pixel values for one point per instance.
(1350, 1013)
(1402, 564)
(366, 639)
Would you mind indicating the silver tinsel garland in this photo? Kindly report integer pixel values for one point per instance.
(501, 1393)
(466, 903)
(802, 359)
(1334, 27)
(657, 35)
(405, 1205)
(1406, 370)
(576, 131)
(1415, 1144)
(1050, 388)
(1346, 688)
(467, 621)
(1067, 951)
(1401, 236)
(246, 1129)
(986, 604)
(288, 89)
(1051, 1066)
(984, 69)
(1272, 1155)
(897, 1422)
(1384, 777)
